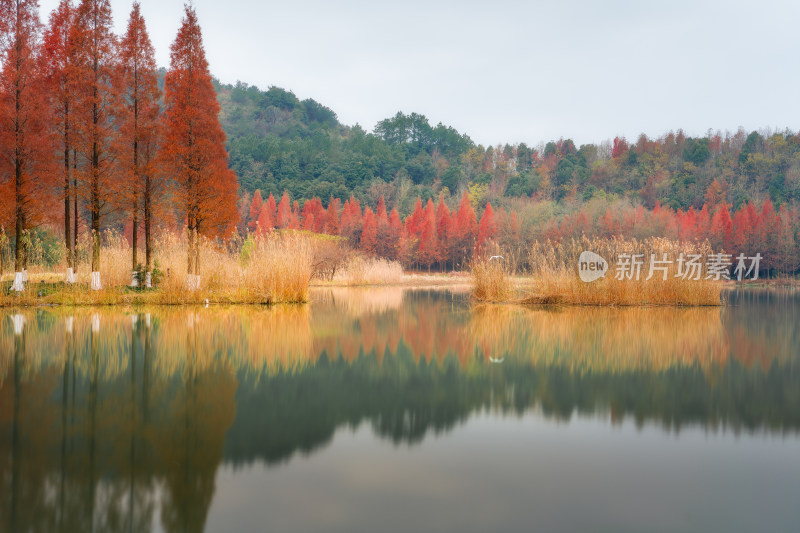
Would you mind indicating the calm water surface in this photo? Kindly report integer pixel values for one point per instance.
(392, 410)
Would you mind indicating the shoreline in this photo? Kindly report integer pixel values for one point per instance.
(44, 291)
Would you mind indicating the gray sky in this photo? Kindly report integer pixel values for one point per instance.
(510, 71)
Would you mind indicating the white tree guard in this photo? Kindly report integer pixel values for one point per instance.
(193, 282)
(96, 285)
(134, 278)
(148, 280)
(25, 275)
(70, 276)
(19, 283)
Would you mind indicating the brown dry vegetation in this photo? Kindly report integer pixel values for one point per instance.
(555, 280)
(275, 268)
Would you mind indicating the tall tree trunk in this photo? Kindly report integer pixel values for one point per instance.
(190, 248)
(74, 248)
(19, 213)
(67, 218)
(196, 250)
(147, 219)
(135, 164)
(95, 177)
(95, 208)
(135, 240)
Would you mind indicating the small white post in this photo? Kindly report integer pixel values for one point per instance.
(19, 282)
(96, 285)
(193, 282)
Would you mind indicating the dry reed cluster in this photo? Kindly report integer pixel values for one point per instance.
(554, 268)
(370, 271)
(491, 280)
(555, 279)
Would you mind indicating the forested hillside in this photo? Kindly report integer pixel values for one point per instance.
(431, 196)
(278, 142)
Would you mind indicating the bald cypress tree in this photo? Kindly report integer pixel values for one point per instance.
(194, 144)
(137, 116)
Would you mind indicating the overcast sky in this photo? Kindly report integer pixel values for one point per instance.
(510, 71)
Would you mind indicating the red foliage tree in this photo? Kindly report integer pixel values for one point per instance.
(57, 59)
(487, 230)
(428, 248)
(620, 147)
(332, 217)
(194, 143)
(25, 146)
(255, 210)
(284, 211)
(369, 232)
(94, 85)
(722, 229)
(313, 215)
(442, 227)
(137, 118)
(395, 235)
(463, 232)
(414, 220)
(385, 247)
(267, 216)
(350, 223)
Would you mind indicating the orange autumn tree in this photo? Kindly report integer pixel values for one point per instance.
(487, 229)
(255, 210)
(57, 61)
(138, 131)
(193, 151)
(94, 87)
(24, 141)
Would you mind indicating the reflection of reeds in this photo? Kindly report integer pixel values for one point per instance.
(600, 339)
(359, 301)
(348, 324)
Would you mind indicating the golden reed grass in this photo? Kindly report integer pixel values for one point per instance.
(555, 279)
(491, 280)
(277, 268)
(370, 271)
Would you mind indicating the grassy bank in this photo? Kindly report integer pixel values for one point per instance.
(266, 270)
(555, 279)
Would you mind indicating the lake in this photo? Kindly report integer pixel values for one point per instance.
(394, 409)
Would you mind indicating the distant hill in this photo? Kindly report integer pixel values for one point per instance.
(278, 142)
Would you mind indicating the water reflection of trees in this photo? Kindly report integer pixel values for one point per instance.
(111, 421)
